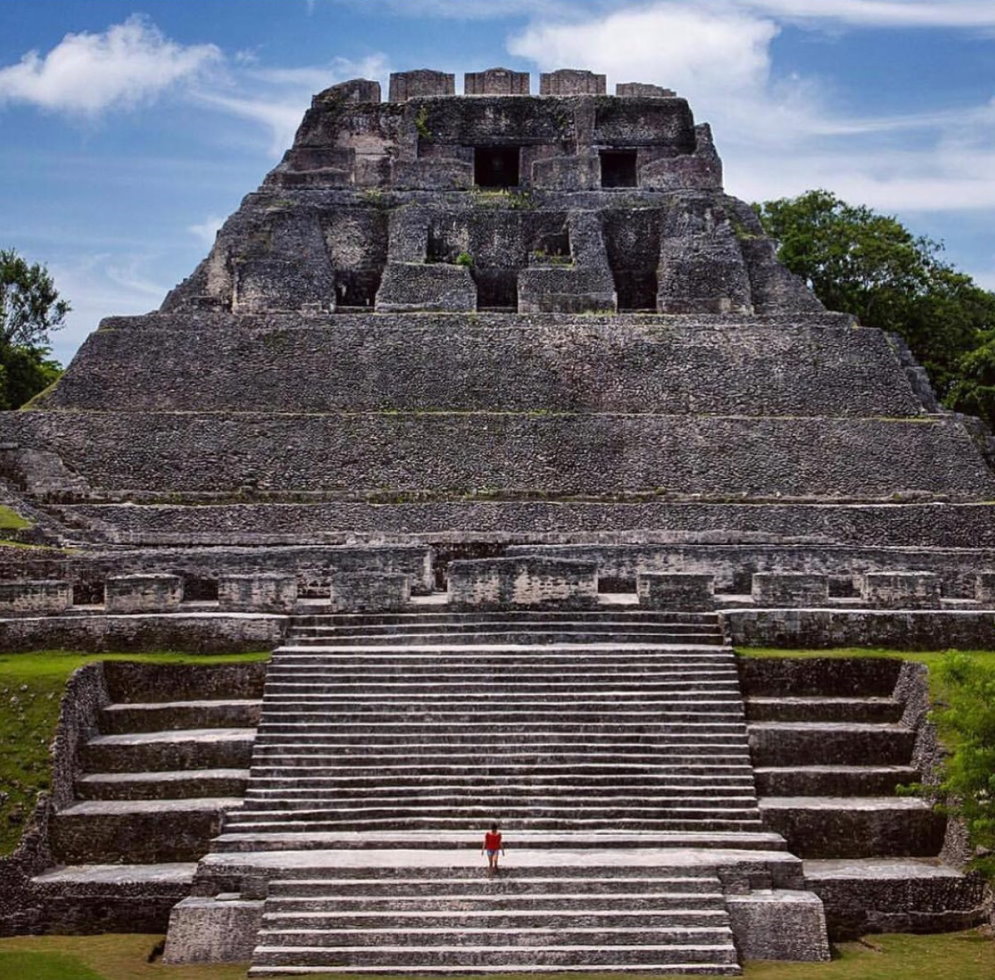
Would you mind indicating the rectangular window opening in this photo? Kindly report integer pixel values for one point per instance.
(618, 168)
(495, 166)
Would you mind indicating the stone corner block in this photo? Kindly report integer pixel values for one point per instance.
(675, 590)
(789, 589)
(773, 924)
(257, 593)
(143, 593)
(498, 583)
(902, 590)
(35, 597)
(212, 930)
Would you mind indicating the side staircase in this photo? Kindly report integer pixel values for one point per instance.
(611, 746)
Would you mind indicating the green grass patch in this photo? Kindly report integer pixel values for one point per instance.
(10, 520)
(966, 955)
(31, 686)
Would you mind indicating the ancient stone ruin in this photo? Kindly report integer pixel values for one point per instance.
(500, 421)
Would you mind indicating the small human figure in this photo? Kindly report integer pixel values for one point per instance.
(493, 847)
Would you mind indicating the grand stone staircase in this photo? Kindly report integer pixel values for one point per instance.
(610, 745)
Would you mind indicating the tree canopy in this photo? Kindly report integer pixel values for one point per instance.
(30, 308)
(868, 264)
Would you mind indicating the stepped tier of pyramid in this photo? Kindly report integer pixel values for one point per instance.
(499, 420)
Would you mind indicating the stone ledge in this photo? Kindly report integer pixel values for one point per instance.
(769, 924)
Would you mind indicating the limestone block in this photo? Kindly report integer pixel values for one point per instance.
(690, 172)
(143, 593)
(43, 596)
(212, 930)
(565, 289)
(370, 591)
(432, 174)
(354, 90)
(257, 593)
(774, 924)
(642, 90)
(496, 81)
(571, 81)
(984, 589)
(567, 173)
(406, 85)
(675, 590)
(409, 287)
(522, 581)
(902, 590)
(789, 589)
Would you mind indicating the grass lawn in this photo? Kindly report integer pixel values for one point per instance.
(10, 520)
(951, 956)
(31, 686)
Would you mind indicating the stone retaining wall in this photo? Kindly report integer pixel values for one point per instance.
(502, 582)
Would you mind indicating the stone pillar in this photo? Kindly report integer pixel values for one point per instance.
(422, 83)
(354, 90)
(675, 590)
(502, 583)
(46, 597)
(571, 81)
(789, 589)
(902, 590)
(257, 593)
(984, 589)
(370, 591)
(496, 81)
(143, 593)
(640, 90)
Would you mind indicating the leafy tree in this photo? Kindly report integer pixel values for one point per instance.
(871, 265)
(30, 307)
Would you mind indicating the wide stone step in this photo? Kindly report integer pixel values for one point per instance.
(708, 821)
(833, 780)
(468, 932)
(342, 894)
(829, 743)
(344, 670)
(137, 831)
(738, 780)
(159, 716)
(359, 774)
(286, 797)
(647, 957)
(421, 738)
(609, 623)
(458, 648)
(454, 852)
(691, 807)
(524, 656)
(855, 827)
(526, 617)
(815, 709)
(505, 693)
(670, 635)
(624, 702)
(537, 757)
(199, 748)
(179, 784)
(317, 722)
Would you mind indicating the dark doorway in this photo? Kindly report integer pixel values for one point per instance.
(618, 168)
(495, 166)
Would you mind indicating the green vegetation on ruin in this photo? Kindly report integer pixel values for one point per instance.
(31, 686)
(10, 520)
(968, 955)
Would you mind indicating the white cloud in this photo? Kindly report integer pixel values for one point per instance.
(883, 13)
(781, 137)
(277, 97)
(206, 230)
(86, 73)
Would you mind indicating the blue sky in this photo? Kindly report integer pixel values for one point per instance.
(129, 130)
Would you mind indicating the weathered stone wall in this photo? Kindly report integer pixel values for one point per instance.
(143, 593)
(257, 593)
(902, 590)
(735, 564)
(677, 590)
(501, 582)
(815, 629)
(38, 596)
(363, 454)
(505, 363)
(309, 565)
(202, 632)
(369, 592)
(933, 525)
(789, 589)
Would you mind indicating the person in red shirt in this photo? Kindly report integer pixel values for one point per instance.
(493, 847)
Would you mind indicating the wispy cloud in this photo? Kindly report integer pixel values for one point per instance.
(883, 13)
(128, 64)
(206, 230)
(782, 136)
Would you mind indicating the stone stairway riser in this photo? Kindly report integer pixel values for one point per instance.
(557, 910)
(195, 785)
(797, 781)
(472, 956)
(171, 756)
(859, 710)
(831, 746)
(121, 718)
(475, 820)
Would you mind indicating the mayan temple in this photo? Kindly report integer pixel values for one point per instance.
(498, 421)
